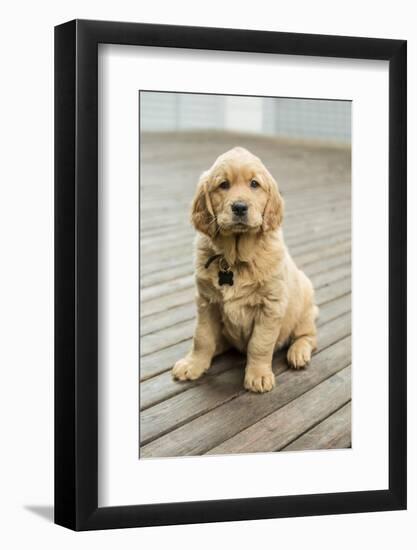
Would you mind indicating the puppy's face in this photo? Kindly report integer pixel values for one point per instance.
(237, 195)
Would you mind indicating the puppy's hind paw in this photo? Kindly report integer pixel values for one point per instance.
(299, 354)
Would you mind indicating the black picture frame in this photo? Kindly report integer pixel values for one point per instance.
(76, 272)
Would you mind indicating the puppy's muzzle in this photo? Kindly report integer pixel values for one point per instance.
(240, 210)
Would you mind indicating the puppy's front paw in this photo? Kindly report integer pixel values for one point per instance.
(299, 354)
(187, 369)
(259, 380)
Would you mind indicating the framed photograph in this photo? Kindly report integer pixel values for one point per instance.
(230, 253)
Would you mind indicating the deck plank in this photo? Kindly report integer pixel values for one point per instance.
(203, 433)
(332, 433)
(241, 408)
(278, 429)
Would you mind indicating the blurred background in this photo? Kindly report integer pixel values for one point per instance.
(328, 120)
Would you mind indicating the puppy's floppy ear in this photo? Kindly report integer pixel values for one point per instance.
(202, 214)
(274, 209)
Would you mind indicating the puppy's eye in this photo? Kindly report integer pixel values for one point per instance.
(224, 185)
(254, 184)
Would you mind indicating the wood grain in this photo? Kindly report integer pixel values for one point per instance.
(279, 428)
(332, 433)
(203, 433)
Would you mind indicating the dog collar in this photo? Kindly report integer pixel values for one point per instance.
(211, 260)
(225, 273)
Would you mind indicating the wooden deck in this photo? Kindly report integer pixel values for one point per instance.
(309, 408)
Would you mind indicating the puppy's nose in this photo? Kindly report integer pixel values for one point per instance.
(239, 208)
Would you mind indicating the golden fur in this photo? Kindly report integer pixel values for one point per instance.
(271, 303)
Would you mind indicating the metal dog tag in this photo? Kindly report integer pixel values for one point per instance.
(226, 278)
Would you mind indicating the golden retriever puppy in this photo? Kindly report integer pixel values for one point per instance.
(250, 293)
